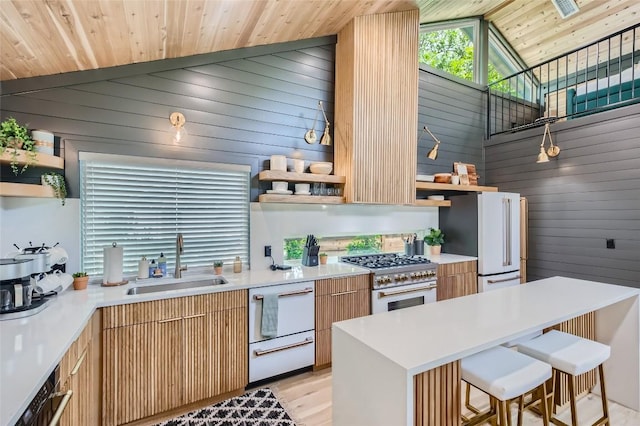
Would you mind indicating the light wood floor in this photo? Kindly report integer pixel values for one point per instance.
(307, 398)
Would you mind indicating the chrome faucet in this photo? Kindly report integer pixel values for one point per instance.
(179, 251)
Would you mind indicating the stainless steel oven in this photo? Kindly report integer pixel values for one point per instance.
(398, 281)
(46, 408)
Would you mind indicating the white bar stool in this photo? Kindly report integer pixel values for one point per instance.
(505, 374)
(571, 355)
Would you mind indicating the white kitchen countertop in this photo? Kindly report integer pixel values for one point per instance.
(376, 358)
(407, 336)
(33, 346)
(445, 258)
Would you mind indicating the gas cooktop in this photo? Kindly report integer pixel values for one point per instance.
(385, 260)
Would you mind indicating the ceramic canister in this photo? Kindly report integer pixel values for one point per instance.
(43, 141)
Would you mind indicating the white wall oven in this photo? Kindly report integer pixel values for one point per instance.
(397, 281)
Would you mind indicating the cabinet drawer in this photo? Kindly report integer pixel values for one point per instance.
(447, 269)
(281, 355)
(295, 309)
(342, 284)
(341, 306)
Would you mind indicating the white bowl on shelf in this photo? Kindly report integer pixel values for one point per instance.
(321, 167)
(302, 188)
(279, 186)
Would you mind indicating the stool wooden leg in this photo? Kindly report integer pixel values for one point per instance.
(502, 412)
(572, 400)
(520, 409)
(605, 403)
(467, 401)
(543, 405)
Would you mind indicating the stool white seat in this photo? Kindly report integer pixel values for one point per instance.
(504, 374)
(571, 355)
(566, 352)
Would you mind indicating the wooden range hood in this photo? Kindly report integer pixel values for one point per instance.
(376, 108)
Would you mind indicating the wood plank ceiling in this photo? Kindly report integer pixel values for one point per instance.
(42, 37)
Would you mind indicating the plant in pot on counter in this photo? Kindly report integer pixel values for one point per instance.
(80, 280)
(14, 138)
(217, 267)
(323, 258)
(56, 181)
(434, 239)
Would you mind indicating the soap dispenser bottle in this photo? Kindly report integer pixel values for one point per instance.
(162, 264)
(237, 265)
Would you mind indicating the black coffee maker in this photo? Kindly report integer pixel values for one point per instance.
(15, 285)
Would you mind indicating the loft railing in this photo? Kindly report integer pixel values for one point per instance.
(593, 78)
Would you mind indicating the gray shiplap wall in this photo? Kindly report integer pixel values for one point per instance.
(241, 107)
(589, 193)
(454, 112)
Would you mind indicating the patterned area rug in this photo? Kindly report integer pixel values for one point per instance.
(256, 408)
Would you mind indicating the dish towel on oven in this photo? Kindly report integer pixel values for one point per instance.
(269, 315)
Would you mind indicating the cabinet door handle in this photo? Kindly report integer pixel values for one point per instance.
(290, 293)
(306, 341)
(343, 293)
(194, 316)
(169, 320)
(517, 277)
(63, 404)
(76, 367)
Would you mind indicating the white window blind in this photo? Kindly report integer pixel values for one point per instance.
(142, 203)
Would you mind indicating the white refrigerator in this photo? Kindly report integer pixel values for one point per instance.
(485, 225)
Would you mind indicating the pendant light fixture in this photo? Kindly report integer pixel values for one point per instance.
(552, 151)
(433, 154)
(177, 122)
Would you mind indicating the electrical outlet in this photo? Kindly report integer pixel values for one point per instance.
(611, 243)
(267, 251)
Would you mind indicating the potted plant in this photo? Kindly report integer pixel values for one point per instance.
(80, 280)
(217, 267)
(14, 137)
(434, 239)
(323, 258)
(56, 181)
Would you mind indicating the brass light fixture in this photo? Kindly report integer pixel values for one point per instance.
(177, 122)
(433, 154)
(552, 151)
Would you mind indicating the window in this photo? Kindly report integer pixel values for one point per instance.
(450, 47)
(142, 203)
(504, 62)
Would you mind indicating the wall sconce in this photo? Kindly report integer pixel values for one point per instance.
(552, 151)
(433, 154)
(177, 122)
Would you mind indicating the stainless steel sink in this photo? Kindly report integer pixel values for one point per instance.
(176, 286)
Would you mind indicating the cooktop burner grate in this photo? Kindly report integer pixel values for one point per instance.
(376, 261)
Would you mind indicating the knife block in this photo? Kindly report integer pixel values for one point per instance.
(310, 256)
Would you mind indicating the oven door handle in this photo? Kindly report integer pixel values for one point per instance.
(382, 294)
(66, 396)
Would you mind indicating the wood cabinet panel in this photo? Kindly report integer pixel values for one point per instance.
(376, 101)
(437, 396)
(138, 313)
(457, 279)
(338, 299)
(156, 366)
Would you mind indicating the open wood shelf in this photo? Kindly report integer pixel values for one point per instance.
(271, 175)
(42, 160)
(300, 199)
(430, 186)
(10, 189)
(433, 203)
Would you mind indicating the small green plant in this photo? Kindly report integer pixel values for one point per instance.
(435, 237)
(218, 263)
(79, 274)
(323, 254)
(14, 137)
(56, 181)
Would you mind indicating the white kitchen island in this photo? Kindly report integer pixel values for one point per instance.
(381, 362)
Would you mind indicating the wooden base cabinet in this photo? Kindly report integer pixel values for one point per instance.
(457, 279)
(165, 354)
(81, 373)
(338, 299)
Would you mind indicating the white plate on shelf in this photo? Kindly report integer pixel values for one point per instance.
(425, 178)
(436, 197)
(287, 192)
(302, 193)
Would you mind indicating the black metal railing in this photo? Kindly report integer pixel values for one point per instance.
(597, 77)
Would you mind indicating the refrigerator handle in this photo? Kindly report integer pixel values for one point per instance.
(509, 239)
(505, 231)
